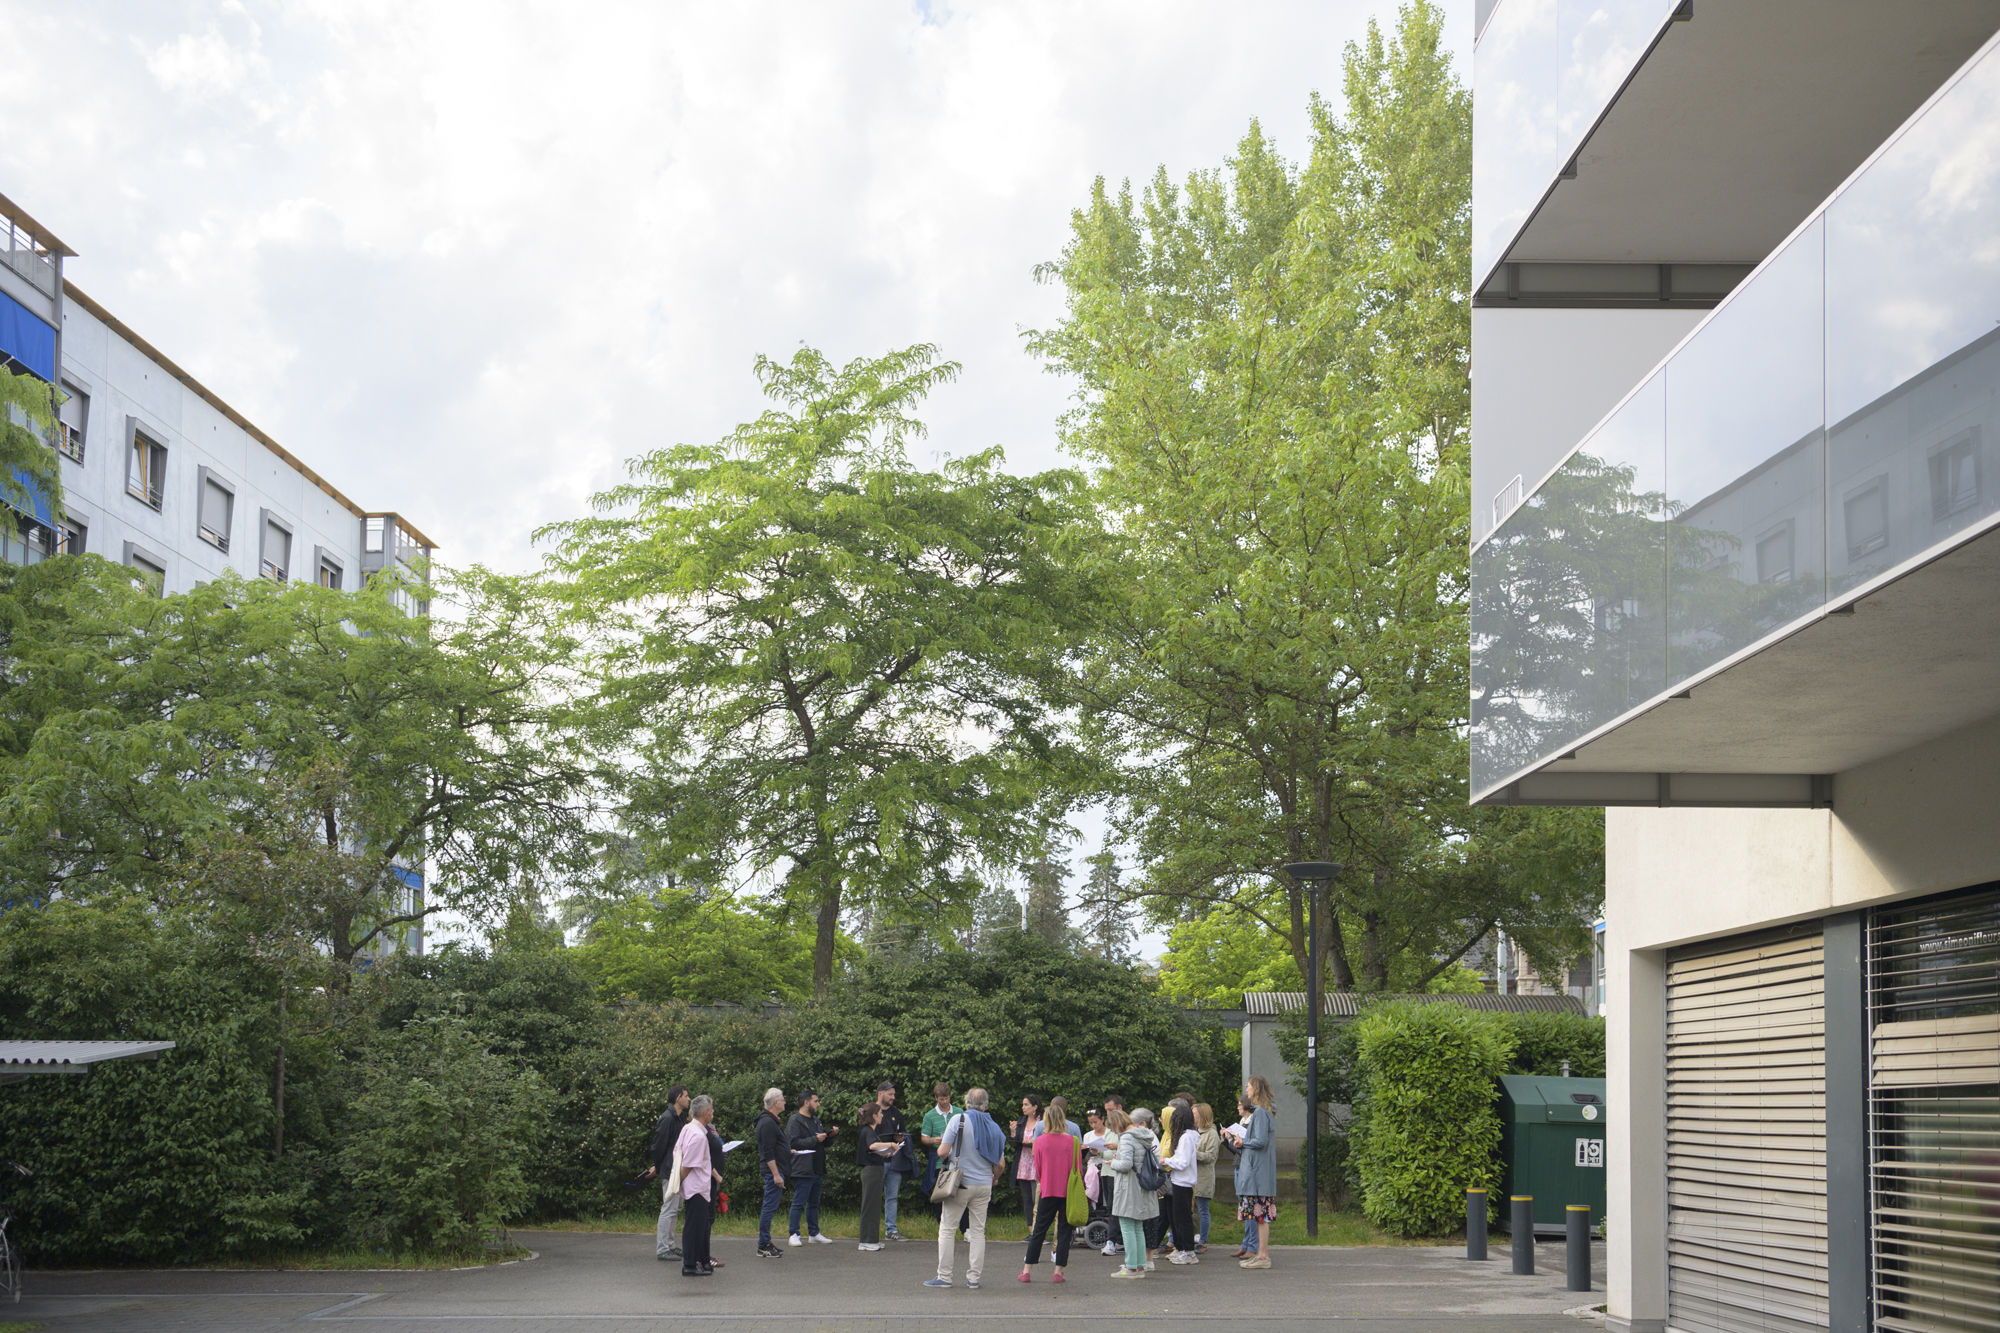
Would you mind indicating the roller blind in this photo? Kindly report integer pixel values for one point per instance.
(1746, 1136)
(1934, 1114)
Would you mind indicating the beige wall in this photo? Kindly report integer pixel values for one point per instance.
(1915, 823)
(1919, 822)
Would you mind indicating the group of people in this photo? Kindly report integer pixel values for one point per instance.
(1153, 1173)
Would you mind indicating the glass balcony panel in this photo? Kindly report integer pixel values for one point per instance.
(1544, 71)
(1568, 628)
(1913, 337)
(1746, 464)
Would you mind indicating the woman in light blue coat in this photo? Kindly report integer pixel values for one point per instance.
(1257, 1169)
(1131, 1205)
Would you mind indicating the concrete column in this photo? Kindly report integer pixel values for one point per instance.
(1635, 1150)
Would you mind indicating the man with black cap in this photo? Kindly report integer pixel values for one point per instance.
(900, 1167)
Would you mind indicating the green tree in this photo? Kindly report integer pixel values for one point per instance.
(1045, 914)
(287, 756)
(1108, 932)
(820, 655)
(1273, 392)
(996, 914)
(677, 946)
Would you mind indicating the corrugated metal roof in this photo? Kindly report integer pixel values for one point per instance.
(1343, 1004)
(72, 1057)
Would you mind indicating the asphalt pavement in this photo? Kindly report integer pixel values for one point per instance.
(609, 1283)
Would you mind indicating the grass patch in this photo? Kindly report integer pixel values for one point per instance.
(14, 1326)
(918, 1223)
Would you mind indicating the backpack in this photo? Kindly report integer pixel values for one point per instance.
(1152, 1176)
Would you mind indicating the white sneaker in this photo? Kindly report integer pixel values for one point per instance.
(820, 1237)
(796, 1240)
(864, 1245)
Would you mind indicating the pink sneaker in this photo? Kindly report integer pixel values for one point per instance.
(1024, 1278)
(1059, 1277)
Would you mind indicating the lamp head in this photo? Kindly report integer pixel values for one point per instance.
(1307, 871)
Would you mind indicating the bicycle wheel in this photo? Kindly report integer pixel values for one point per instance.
(10, 1264)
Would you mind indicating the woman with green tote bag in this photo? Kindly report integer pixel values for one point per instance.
(1058, 1161)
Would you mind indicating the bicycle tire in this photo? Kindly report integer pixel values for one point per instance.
(10, 1264)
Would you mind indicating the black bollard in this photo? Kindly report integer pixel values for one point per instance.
(1523, 1238)
(1579, 1247)
(1475, 1224)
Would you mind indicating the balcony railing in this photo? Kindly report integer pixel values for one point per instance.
(1832, 424)
(1545, 71)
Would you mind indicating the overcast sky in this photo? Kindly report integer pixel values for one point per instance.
(466, 258)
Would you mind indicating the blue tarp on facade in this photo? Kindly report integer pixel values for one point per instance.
(38, 500)
(27, 338)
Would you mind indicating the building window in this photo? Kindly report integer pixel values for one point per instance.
(71, 537)
(146, 470)
(275, 555)
(71, 418)
(1774, 556)
(217, 506)
(326, 570)
(152, 570)
(1955, 477)
(1867, 512)
(26, 542)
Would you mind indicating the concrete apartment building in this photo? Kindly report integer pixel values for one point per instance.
(161, 475)
(158, 472)
(1736, 471)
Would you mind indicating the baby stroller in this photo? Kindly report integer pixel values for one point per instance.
(1101, 1228)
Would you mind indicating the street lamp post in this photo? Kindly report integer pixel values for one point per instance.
(1312, 874)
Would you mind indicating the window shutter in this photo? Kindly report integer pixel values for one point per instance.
(1746, 1136)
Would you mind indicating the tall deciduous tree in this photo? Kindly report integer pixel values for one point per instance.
(819, 654)
(1273, 391)
(286, 756)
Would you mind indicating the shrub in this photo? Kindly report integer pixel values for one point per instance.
(167, 1161)
(1425, 1128)
(1543, 1041)
(440, 1133)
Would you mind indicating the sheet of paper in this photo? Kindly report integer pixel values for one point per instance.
(732, 1145)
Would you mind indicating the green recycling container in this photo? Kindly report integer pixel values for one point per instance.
(1552, 1146)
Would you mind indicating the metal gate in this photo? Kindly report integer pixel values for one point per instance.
(1934, 1114)
(1746, 1135)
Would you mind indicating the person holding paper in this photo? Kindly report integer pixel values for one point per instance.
(807, 1139)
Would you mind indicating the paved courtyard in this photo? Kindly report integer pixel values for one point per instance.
(609, 1283)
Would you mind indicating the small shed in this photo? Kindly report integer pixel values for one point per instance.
(24, 1059)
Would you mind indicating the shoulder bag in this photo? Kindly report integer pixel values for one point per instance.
(1076, 1209)
(949, 1179)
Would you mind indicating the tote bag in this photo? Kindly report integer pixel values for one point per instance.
(1076, 1209)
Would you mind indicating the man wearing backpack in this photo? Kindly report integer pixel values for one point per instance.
(973, 1146)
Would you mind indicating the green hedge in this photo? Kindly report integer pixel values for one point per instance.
(1425, 1129)
(446, 1093)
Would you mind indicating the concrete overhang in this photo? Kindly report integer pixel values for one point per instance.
(1907, 661)
(1742, 120)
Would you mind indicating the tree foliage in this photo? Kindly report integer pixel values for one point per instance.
(285, 757)
(1273, 392)
(699, 951)
(30, 473)
(820, 654)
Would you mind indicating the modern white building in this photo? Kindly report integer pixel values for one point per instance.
(158, 472)
(1736, 467)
